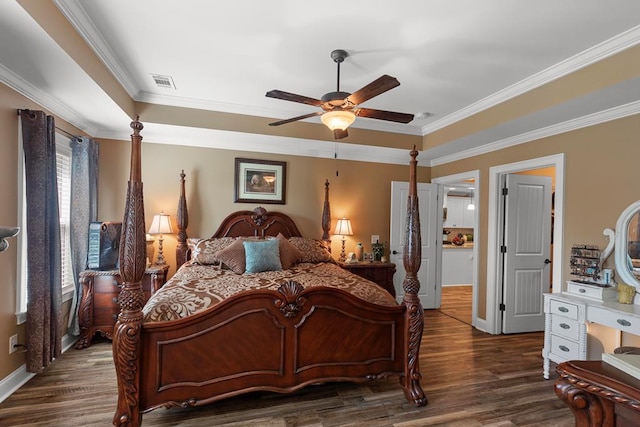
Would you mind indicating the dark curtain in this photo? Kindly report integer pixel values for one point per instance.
(44, 293)
(84, 210)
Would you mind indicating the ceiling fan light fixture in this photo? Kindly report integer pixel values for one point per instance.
(338, 119)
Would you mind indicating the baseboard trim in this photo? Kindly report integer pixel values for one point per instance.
(68, 341)
(14, 381)
(20, 376)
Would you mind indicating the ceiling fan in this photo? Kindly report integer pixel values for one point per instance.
(339, 109)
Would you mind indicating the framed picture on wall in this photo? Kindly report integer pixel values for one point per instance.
(260, 181)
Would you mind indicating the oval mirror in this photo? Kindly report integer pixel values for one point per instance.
(627, 247)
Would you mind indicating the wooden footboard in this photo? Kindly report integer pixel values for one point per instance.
(267, 340)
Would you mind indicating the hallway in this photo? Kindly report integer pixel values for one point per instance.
(456, 302)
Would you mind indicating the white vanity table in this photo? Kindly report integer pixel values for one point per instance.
(567, 314)
(566, 319)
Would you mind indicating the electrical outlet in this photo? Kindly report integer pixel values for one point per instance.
(13, 344)
(375, 238)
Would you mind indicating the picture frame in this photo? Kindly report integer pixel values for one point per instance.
(260, 181)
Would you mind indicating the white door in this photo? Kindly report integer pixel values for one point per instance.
(431, 236)
(527, 242)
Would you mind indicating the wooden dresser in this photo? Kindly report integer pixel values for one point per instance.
(378, 272)
(98, 309)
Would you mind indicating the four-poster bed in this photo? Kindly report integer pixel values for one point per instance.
(293, 329)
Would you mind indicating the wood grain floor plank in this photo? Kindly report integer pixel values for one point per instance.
(456, 302)
(470, 378)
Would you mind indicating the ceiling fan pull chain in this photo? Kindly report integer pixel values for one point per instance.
(335, 155)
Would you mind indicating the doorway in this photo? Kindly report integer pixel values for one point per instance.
(460, 286)
(497, 176)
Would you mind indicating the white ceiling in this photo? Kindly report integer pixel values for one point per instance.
(453, 59)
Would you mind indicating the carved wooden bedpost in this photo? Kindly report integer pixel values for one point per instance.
(126, 335)
(326, 217)
(182, 222)
(415, 315)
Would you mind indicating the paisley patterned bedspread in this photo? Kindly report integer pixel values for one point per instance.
(195, 287)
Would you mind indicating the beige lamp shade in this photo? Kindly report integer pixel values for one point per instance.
(161, 224)
(343, 228)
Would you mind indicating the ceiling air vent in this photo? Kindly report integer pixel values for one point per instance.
(165, 82)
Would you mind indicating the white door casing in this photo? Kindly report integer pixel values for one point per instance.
(527, 241)
(431, 239)
(493, 321)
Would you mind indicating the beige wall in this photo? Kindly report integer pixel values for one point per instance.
(361, 191)
(600, 182)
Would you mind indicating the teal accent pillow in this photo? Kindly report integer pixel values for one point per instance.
(262, 255)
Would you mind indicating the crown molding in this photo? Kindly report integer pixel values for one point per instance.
(76, 15)
(610, 114)
(581, 60)
(45, 100)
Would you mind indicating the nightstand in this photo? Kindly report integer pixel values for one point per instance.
(99, 309)
(378, 272)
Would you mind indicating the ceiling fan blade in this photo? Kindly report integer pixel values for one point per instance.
(278, 94)
(295, 119)
(374, 88)
(339, 133)
(390, 116)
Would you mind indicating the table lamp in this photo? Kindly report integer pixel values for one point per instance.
(343, 228)
(161, 225)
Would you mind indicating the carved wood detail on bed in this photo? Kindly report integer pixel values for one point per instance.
(276, 340)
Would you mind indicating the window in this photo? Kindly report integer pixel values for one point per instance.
(63, 164)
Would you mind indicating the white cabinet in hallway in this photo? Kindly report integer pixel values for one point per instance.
(457, 266)
(458, 215)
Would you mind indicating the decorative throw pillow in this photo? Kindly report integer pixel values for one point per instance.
(206, 249)
(262, 255)
(312, 250)
(192, 242)
(233, 256)
(289, 254)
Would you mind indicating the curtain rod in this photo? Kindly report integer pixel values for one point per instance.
(66, 133)
(26, 110)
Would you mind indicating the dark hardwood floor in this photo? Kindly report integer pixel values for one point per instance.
(470, 378)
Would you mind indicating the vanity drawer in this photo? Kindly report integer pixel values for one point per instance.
(564, 348)
(613, 319)
(595, 292)
(564, 309)
(565, 327)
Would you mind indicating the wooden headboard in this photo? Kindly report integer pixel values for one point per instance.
(258, 222)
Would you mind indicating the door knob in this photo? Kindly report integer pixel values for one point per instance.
(547, 261)
(394, 252)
